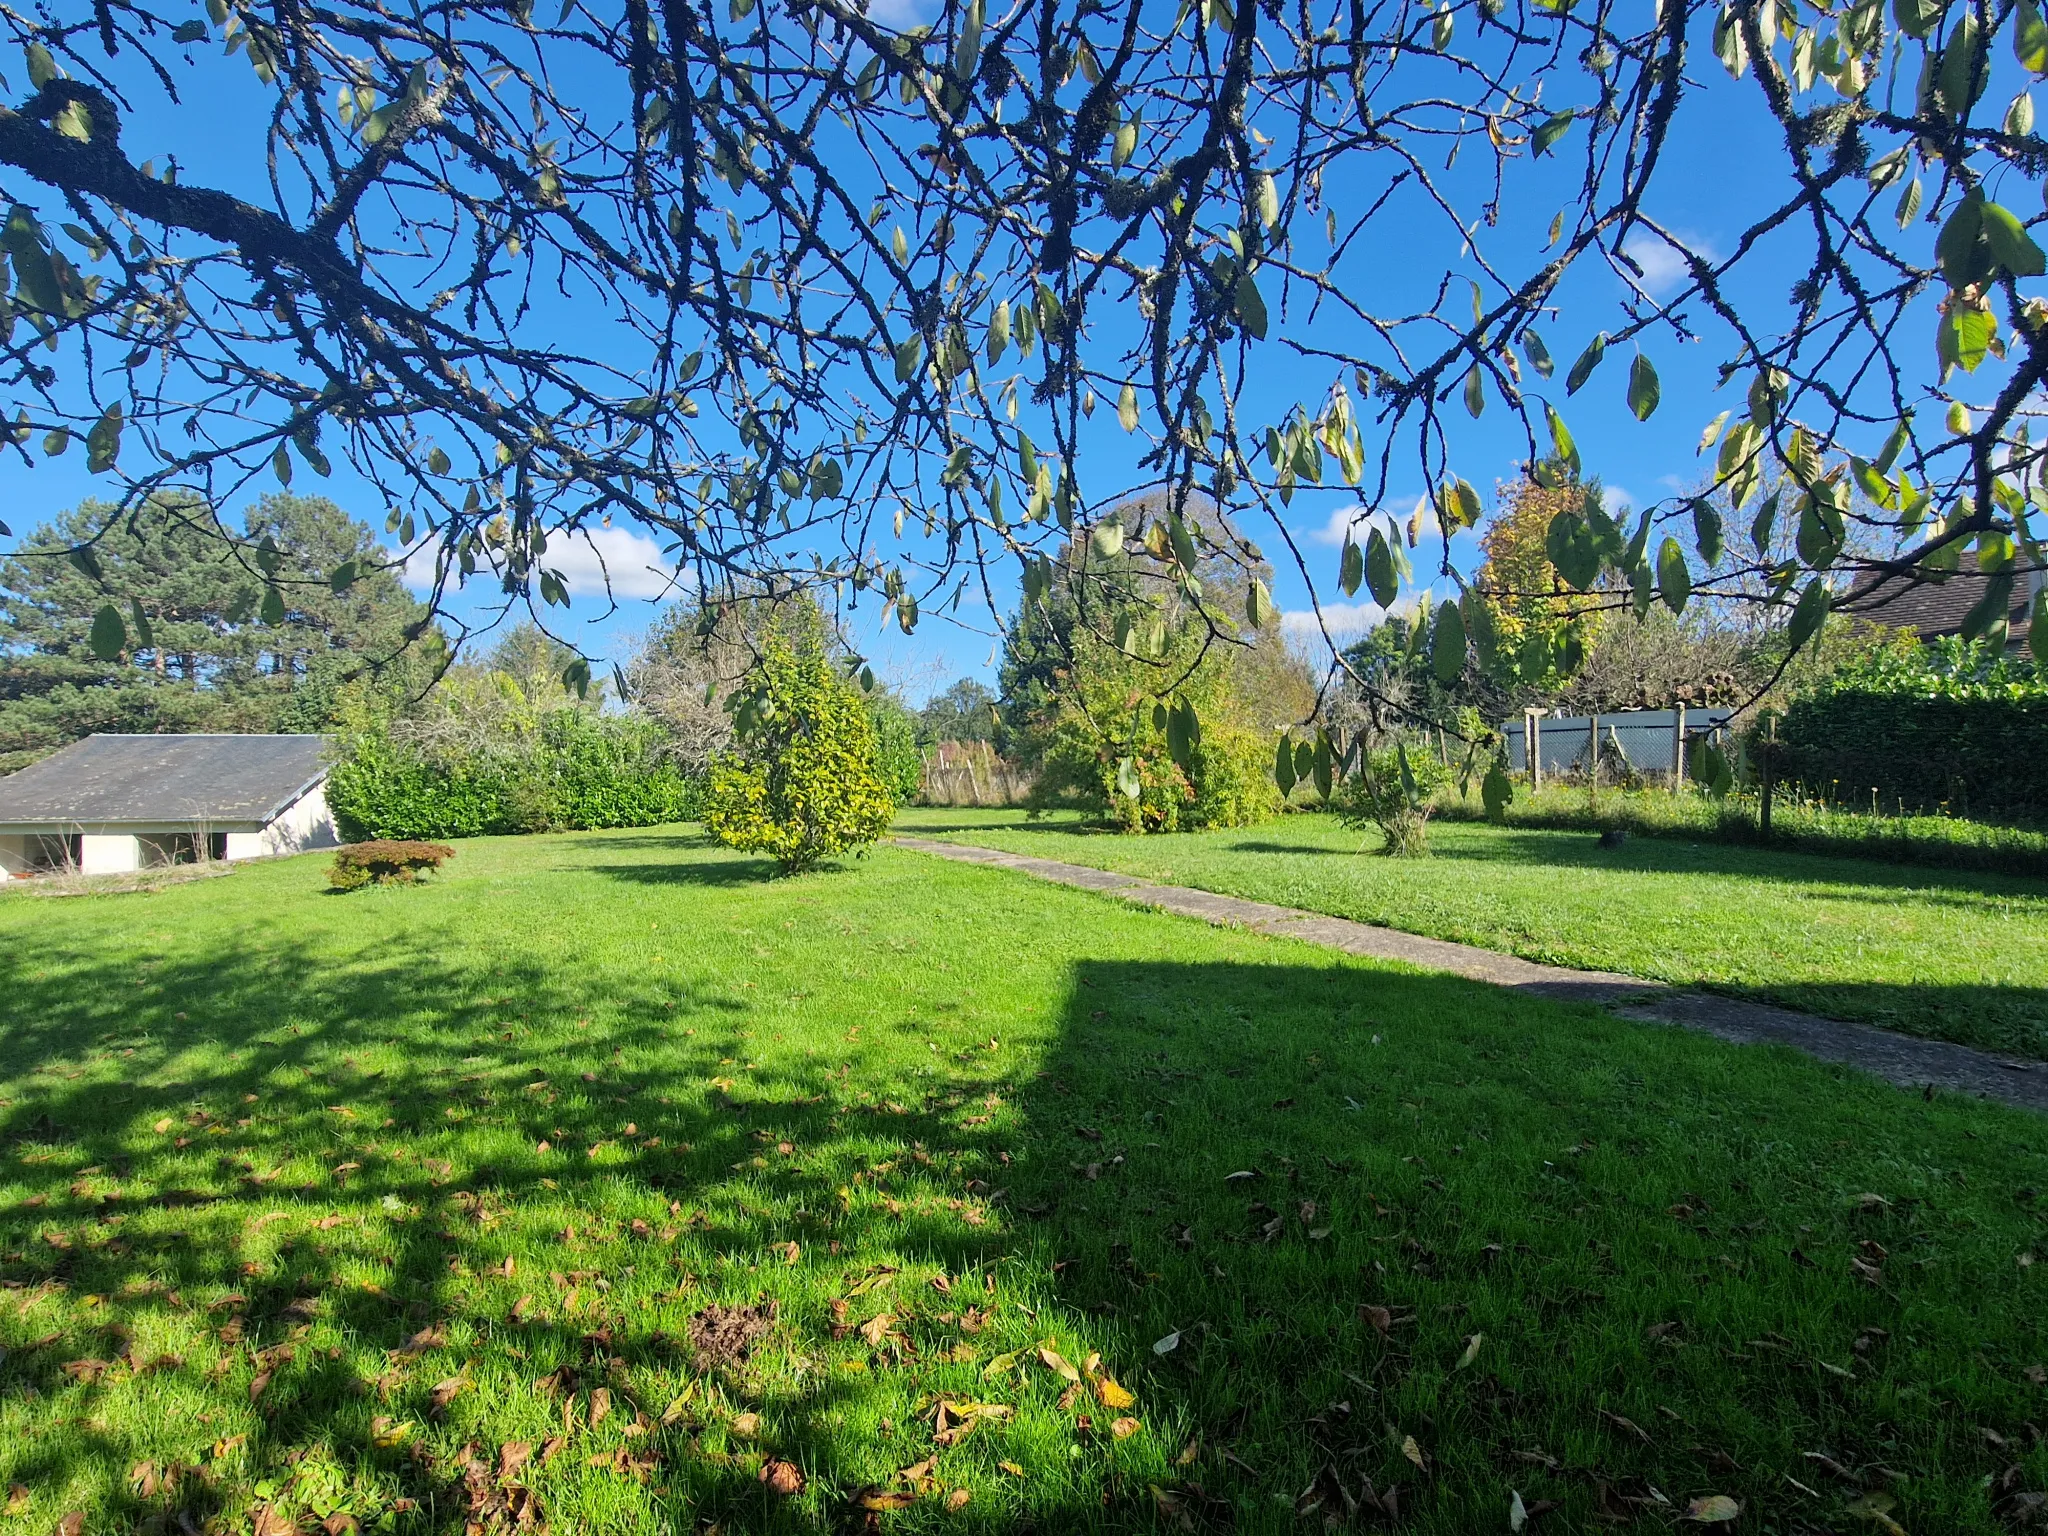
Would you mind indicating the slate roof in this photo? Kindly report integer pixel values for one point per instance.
(157, 779)
(1933, 610)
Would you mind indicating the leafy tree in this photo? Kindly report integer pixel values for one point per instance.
(1542, 631)
(811, 264)
(966, 711)
(898, 758)
(194, 653)
(801, 782)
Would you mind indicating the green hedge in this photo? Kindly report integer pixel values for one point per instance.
(1955, 727)
(583, 771)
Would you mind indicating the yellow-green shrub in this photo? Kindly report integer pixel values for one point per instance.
(801, 782)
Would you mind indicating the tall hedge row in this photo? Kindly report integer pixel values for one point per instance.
(1955, 726)
(581, 771)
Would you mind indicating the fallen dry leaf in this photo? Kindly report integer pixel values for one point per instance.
(1471, 1351)
(876, 1328)
(387, 1433)
(746, 1426)
(783, 1477)
(444, 1393)
(886, 1499)
(1011, 1467)
(1518, 1513)
(1715, 1509)
(17, 1498)
(600, 1406)
(1124, 1428)
(72, 1524)
(1413, 1452)
(1058, 1363)
(1112, 1395)
(1167, 1345)
(958, 1498)
(262, 1381)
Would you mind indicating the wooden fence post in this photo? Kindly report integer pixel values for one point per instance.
(1677, 747)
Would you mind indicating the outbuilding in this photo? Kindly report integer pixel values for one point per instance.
(108, 804)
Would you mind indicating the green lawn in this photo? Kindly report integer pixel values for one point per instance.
(429, 1206)
(1952, 955)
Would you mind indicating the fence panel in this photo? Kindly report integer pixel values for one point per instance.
(1646, 737)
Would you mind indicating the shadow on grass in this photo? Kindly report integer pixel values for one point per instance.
(2006, 1020)
(1311, 1214)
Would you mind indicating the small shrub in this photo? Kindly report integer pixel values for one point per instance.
(801, 784)
(1394, 791)
(384, 861)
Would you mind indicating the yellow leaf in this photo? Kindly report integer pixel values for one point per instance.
(746, 1426)
(163, 1125)
(1413, 1452)
(958, 1498)
(1011, 1467)
(1471, 1351)
(1112, 1395)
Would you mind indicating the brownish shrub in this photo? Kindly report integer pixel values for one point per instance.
(383, 861)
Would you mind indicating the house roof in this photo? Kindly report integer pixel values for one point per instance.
(159, 779)
(1934, 609)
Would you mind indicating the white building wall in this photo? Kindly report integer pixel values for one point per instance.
(304, 825)
(13, 853)
(109, 853)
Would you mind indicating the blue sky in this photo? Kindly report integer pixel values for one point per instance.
(1724, 165)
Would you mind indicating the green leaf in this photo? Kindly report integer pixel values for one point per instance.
(1917, 18)
(1283, 765)
(145, 632)
(272, 611)
(2030, 39)
(103, 442)
(1128, 784)
(42, 69)
(1183, 732)
(342, 577)
(576, 677)
(967, 52)
(1573, 550)
(1475, 391)
(109, 634)
(1447, 643)
(998, 331)
(1810, 613)
(1380, 576)
(1962, 76)
(189, 32)
(1258, 604)
(1537, 353)
(1127, 408)
(1497, 790)
(1964, 336)
(1643, 389)
(1674, 581)
(1589, 359)
(1707, 532)
(1267, 197)
(36, 285)
(1561, 445)
(908, 355)
(437, 462)
(1550, 130)
(2012, 248)
(1321, 768)
(1251, 307)
(1106, 539)
(281, 465)
(1351, 567)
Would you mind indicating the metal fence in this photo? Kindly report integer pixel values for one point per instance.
(1648, 738)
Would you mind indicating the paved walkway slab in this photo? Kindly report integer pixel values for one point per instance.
(1903, 1059)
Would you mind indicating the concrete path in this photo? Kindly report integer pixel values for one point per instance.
(1903, 1059)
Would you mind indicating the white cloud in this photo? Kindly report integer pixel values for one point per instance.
(899, 14)
(1620, 499)
(633, 563)
(1346, 621)
(1354, 520)
(1664, 265)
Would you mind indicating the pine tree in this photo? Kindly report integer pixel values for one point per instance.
(198, 656)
